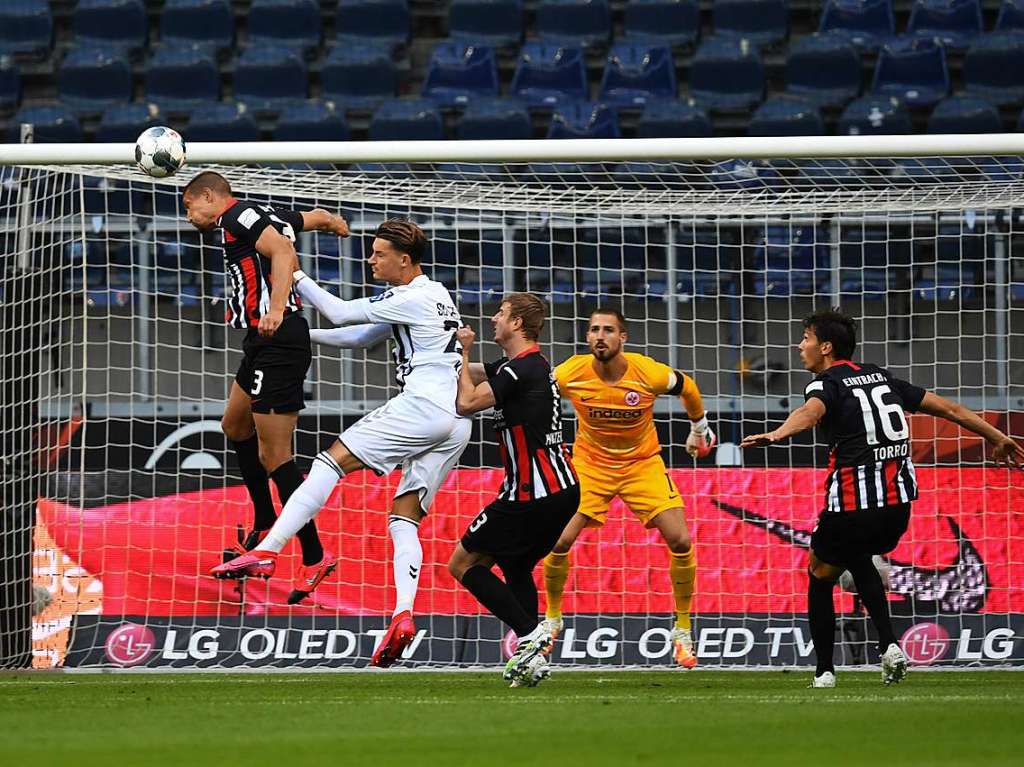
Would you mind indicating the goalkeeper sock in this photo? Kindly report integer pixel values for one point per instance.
(305, 502)
(821, 614)
(872, 594)
(255, 478)
(408, 559)
(556, 573)
(287, 477)
(682, 570)
(494, 594)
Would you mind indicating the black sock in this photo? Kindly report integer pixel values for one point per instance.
(872, 594)
(821, 614)
(255, 478)
(287, 477)
(519, 578)
(494, 594)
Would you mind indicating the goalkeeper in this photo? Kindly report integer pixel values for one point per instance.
(617, 453)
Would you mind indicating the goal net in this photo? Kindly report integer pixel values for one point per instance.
(122, 491)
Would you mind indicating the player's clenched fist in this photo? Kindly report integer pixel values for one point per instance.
(270, 322)
(335, 224)
(466, 336)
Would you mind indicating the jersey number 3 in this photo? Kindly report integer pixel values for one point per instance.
(891, 417)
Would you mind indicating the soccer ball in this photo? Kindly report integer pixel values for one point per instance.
(160, 152)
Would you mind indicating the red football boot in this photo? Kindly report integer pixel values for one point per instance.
(311, 576)
(254, 564)
(399, 635)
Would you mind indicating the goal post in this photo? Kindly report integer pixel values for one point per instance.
(714, 249)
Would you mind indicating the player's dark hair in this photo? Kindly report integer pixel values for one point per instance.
(612, 312)
(208, 179)
(528, 308)
(832, 325)
(406, 236)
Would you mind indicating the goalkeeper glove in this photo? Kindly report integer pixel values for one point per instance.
(701, 439)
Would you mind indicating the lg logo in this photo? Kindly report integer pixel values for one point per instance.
(129, 645)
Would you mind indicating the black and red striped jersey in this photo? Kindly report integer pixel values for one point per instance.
(248, 271)
(528, 419)
(868, 435)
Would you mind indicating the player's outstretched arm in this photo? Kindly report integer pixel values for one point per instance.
(803, 418)
(320, 220)
(1004, 448)
(351, 336)
(473, 396)
(283, 261)
(337, 310)
(701, 439)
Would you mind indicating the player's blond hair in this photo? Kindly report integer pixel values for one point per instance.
(528, 308)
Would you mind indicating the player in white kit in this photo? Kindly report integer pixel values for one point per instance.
(418, 430)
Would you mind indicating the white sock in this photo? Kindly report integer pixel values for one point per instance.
(408, 560)
(305, 503)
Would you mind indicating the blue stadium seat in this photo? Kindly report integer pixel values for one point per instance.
(10, 84)
(727, 75)
(868, 24)
(93, 77)
(791, 260)
(992, 68)
(742, 174)
(103, 196)
(268, 76)
(26, 27)
(673, 118)
(291, 23)
(222, 122)
(181, 77)
(762, 22)
(382, 21)
(548, 73)
(497, 23)
(52, 125)
(963, 114)
(786, 116)
(202, 22)
(124, 122)
(359, 75)
(311, 121)
(406, 119)
(1011, 16)
(111, 22)
(458, 72)
(583, 23)
(583, 119)
(636, 73)
(918, 171)
(824, 68)
(954, 23)
(495, 119)
(663, 22)
(874, 116)
(912, 70)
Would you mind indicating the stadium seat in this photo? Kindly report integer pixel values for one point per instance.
(26, 27)
(222, 122)
(786, 116)
(291, 23)
(548, 73)
(359, 75)
(92, 77)
(729, 175)
(180, 78)
(382, 21)
(268, 76)
(637, 72)
(51, 124)
(913, 71)
(111, 22)
(963, 114)
(498, 23)
(458, 72)
(494, 119)
(104, 196)
(311, 121)
(727, 75)
(673, 118)
(868, 24)
(10, 84)
(825, 69)
(791, 260)
(198, 22)
(662, 22)
(954, 23)
(874, 116)
(406, 119)
(583, 119)
(582, 23)
(124, 122)
(919, 171)
(1011, 16)
(762, 22)
(992, 68)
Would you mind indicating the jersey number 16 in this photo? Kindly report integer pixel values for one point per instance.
(875, 411)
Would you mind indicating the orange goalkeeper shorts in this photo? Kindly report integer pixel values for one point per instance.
(645, 486)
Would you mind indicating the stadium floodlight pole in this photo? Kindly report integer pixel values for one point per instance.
(580, 150)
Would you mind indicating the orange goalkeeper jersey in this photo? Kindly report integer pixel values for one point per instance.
(616, 422)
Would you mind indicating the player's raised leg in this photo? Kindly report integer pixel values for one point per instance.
(239, 427)
(682, 568)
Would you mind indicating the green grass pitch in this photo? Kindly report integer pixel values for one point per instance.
(575, 718)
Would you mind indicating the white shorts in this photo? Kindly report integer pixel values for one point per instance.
(413, 433)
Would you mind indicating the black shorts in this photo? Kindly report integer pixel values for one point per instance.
(524, 531)
(841, 537)
(273, 369)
